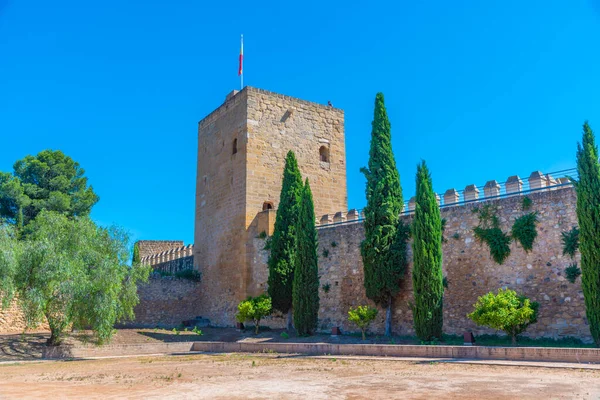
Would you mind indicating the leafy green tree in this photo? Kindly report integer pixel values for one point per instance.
(588, 216)
(384, 248)
(10, 250)
(283, 241)
(506, 311)
(362, 316)
(427, 274)
(48, 181)
(306, 274)
(254, 309)
(74, 273)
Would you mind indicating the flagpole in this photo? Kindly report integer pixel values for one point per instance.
(242, 62)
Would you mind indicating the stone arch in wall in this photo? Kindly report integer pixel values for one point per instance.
(267, 205)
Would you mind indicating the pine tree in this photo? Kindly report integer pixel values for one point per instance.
(306, 274)
(19, 223)
(427, 260)
(384, 248)
(283, 242)
(588, 216)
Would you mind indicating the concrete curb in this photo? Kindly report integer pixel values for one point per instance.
(541, 354)
(546, 354)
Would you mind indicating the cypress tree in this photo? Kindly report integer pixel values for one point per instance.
(427, 260)
(588, 216)
(136, 254)
(384, 248)
(306, 274)
(283, 242)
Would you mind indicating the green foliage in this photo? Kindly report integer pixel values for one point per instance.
(456, 236)
(189, 274)
(48, 181)
(570, 240)
(588, 217)
(325, 253)
(283, 241)
(326, 287)
(136, 254)
(362, 316)
(72, 272)
(427, 274)
(445, 282)
(384, 249)
(197, 331)
(489, 232)
(254, 309)
(305, 298)
(572, 272)
(506, 311)
(284, 335)
(523, 230)
(10, 252)
(262, 235)
(334, 244)
(526, 203)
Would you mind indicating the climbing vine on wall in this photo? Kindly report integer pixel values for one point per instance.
(489, 232)
(570, 240)
(523, 230)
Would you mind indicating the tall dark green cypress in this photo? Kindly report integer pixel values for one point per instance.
(588, 216)
(306, 274)
(427, 274)
(384, 248)
(136, 254)
(283, 242)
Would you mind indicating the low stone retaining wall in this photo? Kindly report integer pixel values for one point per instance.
(549, 354)
(61, 352)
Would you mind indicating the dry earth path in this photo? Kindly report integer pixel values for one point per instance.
(238, 376)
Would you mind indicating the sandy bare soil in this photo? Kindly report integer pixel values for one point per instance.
(287, 377)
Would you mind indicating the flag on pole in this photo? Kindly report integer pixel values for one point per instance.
(241, 69)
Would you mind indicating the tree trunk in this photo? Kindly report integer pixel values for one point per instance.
(256, 326)
(290, 321)
(54, 339)
(514, 340)
(388, 318)
(364, 336)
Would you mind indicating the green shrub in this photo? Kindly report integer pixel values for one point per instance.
(523, 230)
(189, 274)
(284, 335)
(572, 272)
(526, 204)
(326, 287)
(362, 316)
(325, 253)
(254, 309)
(570, 240)
(262, 235)
(445, 282)
(489, 232)
(506, 311)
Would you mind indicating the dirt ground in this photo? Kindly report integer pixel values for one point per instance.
(236, 376)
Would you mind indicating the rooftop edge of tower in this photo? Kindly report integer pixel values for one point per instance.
(235, 96)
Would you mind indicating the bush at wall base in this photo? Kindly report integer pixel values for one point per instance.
(362, 316)
(254, 309)
(506, 311)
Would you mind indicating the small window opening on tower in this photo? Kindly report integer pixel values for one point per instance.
(267, 205)
(324, 154)
(234, 146)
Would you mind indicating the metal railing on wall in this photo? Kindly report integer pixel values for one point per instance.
(513, 186)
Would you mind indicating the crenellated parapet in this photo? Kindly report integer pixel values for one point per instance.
(513, 186)
(168, 255)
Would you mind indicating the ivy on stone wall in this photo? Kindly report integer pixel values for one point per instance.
(489, 232)
(524, 231)
(570, 240)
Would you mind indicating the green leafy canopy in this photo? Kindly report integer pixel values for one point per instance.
(254, 309)
(48, 181)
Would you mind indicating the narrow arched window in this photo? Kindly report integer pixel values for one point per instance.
(324, 154)
(267, 205)
(234, 146)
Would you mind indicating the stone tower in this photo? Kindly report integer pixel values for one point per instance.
(241, 154)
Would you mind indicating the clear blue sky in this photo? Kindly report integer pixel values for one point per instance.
(480, 89)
